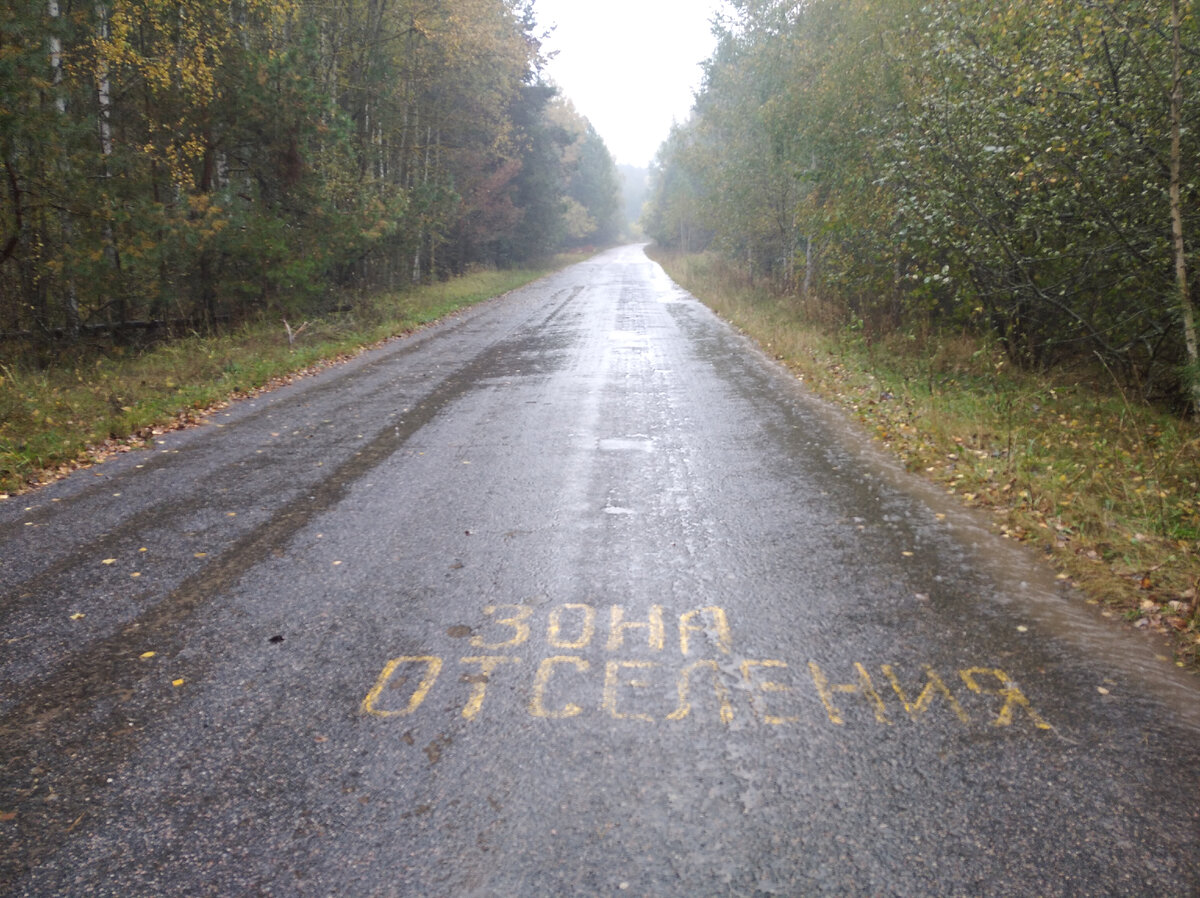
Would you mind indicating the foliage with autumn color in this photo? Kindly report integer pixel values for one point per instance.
(1024, 171)
(193, 163)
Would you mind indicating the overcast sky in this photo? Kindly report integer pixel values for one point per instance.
(629, 66)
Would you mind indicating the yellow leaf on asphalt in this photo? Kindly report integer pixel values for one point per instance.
(78, 615)
(109, 561)
(145, 655)
(178, 682)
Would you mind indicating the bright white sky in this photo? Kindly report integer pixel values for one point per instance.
(630, 66)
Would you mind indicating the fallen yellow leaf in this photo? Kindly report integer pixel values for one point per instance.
(109, 561)
(78, 615)
(178, 682)
(200, 555)
(145, 655)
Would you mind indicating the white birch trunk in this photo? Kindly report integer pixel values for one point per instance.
(70, 298)
(56, 67)
(104, 125)
(1186, 307)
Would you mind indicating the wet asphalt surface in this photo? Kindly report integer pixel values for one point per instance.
(574, 594)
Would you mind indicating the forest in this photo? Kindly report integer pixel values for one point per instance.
(191, 164)
(1023, 171)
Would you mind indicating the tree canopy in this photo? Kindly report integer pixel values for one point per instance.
(1027, 169)
(206, 160)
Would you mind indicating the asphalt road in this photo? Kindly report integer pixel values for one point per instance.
(574, 594)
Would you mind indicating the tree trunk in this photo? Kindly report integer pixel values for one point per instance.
(56, 65)
(810, 267)
(70, 298)
(1186, 308)
(205, 282)
(104, 122)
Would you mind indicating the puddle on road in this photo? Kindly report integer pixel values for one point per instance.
(631, 339)
(626, 444)
(616, 509)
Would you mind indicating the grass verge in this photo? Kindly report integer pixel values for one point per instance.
(1107, 488)
(57, 419)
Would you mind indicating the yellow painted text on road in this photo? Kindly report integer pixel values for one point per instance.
(632, 673)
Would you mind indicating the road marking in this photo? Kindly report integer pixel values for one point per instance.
(653, 626)
(757, 687)
(587, 627)
(545, 670)
(487, 666)
(1013, 697)
(692, 622)
(933, 683)
(517, 622)
(628, 687)
(613, 682)
(863, 687)
(433, 668)
(684, 686)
